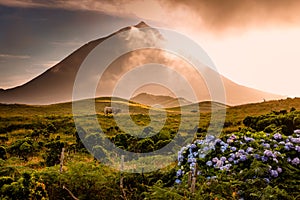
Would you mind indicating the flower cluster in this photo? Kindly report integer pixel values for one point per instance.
(229, 154)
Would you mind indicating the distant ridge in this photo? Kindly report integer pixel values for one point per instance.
(164, 101)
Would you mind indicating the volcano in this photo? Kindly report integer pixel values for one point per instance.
(56, 84)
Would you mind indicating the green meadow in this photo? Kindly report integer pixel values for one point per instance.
(33, 140)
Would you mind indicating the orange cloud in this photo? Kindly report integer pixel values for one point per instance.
(213, 15)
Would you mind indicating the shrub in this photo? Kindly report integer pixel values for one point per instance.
(53, 152)
(3, 153)
(23, 148)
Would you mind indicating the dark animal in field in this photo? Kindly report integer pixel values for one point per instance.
(111, 110)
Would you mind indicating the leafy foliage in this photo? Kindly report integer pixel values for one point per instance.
(32, 138)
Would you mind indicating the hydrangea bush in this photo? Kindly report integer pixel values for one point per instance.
(246, 157)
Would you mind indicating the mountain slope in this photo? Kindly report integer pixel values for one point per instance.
(56, 84)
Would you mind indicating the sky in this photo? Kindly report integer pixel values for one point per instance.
(254, 43)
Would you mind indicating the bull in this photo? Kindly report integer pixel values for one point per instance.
(111, 110)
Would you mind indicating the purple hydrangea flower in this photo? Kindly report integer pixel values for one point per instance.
(178, 181)
(229, 141)
(223, 159)
(193, 146)
(233, 148)
(237, 154)
(264, 158)
(266, 145)
(297, 131)
(295, 140)
(195, 154)
(281, 143)
(249, 150)
(223, 148)
(226, 167)
(242, 151)
(243, 158)
(210, 137)
(202, 155)
(206, 148)
(274, 173)
(277, 136)
(218, 164)
(297, 148)
(267, 180)
(279, 170)
(218, 141)
(268, 153)
(277, 153)
(180, 157)
(199, 142)
(209, 163)
(248, 139)
(233, 136)
(296, 161)
(288, 146)
(179, 173)
(192, 165)
(215, 159)
(257, 157)
(191, 160)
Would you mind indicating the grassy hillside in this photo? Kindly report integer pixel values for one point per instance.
(32, 138)
(164, 101)
(66, 108)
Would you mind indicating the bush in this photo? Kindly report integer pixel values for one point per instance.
(145, 145)
(3, 153)
(23, 148)
(52, 155)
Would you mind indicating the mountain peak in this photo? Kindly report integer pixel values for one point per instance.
(52, 87)
(142, 24)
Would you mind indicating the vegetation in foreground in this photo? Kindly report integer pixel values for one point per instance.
(254, 158)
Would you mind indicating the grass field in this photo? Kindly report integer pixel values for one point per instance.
(32, 138)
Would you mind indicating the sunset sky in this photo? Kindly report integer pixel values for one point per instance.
(255, 43)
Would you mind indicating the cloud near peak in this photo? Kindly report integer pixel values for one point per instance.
(220, 15)
(213, 15)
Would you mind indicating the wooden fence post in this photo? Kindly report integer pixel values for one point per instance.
(62, 157)
(121, 177)
(190, 178)
(193, 185)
